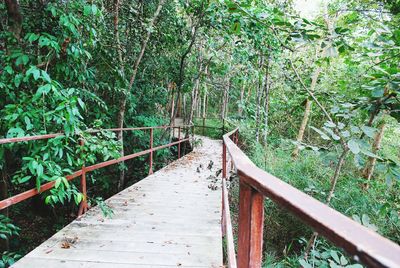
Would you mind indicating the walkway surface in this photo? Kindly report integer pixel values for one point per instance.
(169, 219)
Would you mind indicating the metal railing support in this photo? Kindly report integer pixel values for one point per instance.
(151, 152)
(179, 144)
(83, 205)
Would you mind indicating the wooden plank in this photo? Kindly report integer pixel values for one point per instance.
(38, 262)
(169, 219)
(251, 219)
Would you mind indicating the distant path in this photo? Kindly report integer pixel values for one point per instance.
(169, 219)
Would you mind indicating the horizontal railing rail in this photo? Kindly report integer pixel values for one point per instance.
(5, 203)
(203, 126)
(363, 244)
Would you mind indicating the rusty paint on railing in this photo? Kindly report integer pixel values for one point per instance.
(5, 203)
(363, 244)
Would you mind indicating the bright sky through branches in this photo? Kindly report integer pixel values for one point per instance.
(309, 8)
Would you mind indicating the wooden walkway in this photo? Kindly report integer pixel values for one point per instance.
(169, 219)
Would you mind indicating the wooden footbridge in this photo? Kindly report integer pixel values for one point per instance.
(179, 216)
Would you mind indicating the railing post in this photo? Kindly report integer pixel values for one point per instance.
(251, 221)
(223, 220)
(204, 124)
(83, 205)
(179, 144)
(223, 126)
(151, 152)
(223, 159)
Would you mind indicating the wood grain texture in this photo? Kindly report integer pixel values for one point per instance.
(169, 219)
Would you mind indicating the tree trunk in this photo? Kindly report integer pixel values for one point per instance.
(14, 17)
(334, 180)
(306, 115)
(194, 95)
(196, 88)
(204, 104)
(224, 105)
(258, 112)
(199, 102)
(370, 165)
(266, 100)
(182, 65)
(122, 104)
(240, 107)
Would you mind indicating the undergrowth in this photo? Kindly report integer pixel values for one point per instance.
(285, 236)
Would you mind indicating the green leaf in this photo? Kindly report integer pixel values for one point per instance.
(57, 183)
(22, 60)
(15, 132)
(45, 76)
(370, 154)
(235, 28)
(304, 264)
(69, 159)
(94, 9)
(38, 183)
(87, 10)
(39, 170)
(34, 71)
(47, 200)
(31, 37)
(81, 103)
(354, 146)
(24, 179)
(65, 181)
(369, 131)
(321, 133)
(343, 260)
(43, 90)
(335, 256)
(28, 123)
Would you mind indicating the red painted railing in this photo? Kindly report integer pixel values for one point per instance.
(85, 169)
(363, 244)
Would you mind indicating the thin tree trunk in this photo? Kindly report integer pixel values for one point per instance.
(225, 100)
(121, 115)
(182, 68)
(306, 115)
(196, 88)
(259, 93)
(240, 107)
(194, 95)
(199, 102)
(370, 165)
(14, 17)
(184, 107)
(266, 100)
(334, 180)
(204, 103)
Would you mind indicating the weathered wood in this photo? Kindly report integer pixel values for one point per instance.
(169, 219)
(251, 219)
(362, 243)
(227, 227)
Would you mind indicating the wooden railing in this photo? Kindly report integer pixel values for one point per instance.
(363, 244)
(85, 169)
(203, 127)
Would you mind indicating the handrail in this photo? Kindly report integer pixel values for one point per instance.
(363, 244)
(5, 203)
(53, 135)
